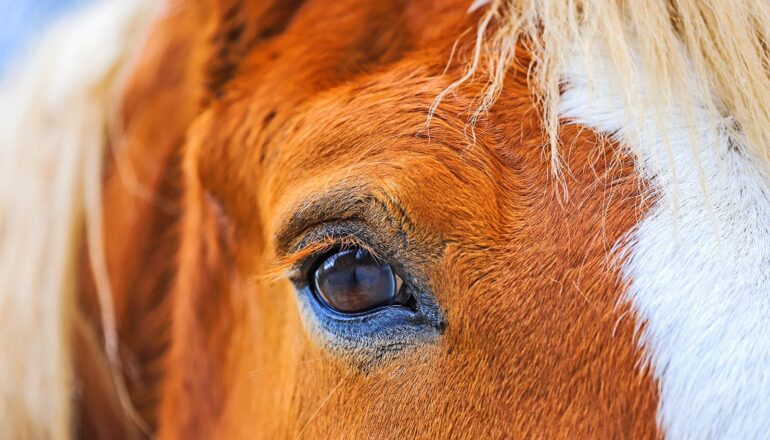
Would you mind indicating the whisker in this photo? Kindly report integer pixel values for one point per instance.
(325, 401)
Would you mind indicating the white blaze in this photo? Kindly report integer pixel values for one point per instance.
(699, 265)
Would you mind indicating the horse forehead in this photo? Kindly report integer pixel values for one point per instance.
(363, 117)
(329, 44)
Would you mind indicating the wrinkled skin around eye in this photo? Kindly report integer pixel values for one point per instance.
(352, 281)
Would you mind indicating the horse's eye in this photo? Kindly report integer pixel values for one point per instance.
(352, 281)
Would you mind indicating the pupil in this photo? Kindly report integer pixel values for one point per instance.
(351, 281)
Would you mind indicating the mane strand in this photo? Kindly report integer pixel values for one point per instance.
(707, 53)
(55, 109)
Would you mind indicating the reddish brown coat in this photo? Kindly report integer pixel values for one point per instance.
(270, 105)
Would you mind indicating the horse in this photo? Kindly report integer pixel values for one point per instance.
(406, 219)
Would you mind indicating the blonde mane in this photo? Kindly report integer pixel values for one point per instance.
(709, 53)
(55, 110)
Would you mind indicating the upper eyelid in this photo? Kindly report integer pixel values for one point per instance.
(296, 258)
(328, 241)
(337, 205)
(292, 259)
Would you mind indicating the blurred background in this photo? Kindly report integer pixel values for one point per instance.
(21, 21)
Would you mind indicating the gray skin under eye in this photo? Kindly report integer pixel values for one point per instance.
(352, 281)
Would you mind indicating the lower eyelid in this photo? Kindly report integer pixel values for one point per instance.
(366, 339)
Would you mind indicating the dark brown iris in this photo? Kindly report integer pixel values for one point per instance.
(352, 281)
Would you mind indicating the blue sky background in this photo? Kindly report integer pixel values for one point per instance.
(21, 21)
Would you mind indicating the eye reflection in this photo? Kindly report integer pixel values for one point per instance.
(352, 281)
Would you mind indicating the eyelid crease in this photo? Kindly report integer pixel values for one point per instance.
(336, 204)
(341, 204)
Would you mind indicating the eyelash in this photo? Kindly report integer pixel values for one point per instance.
(321, 239)
(307, 256)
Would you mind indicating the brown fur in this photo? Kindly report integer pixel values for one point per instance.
(317, 96)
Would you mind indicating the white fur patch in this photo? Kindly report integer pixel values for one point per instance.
(699, 265)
